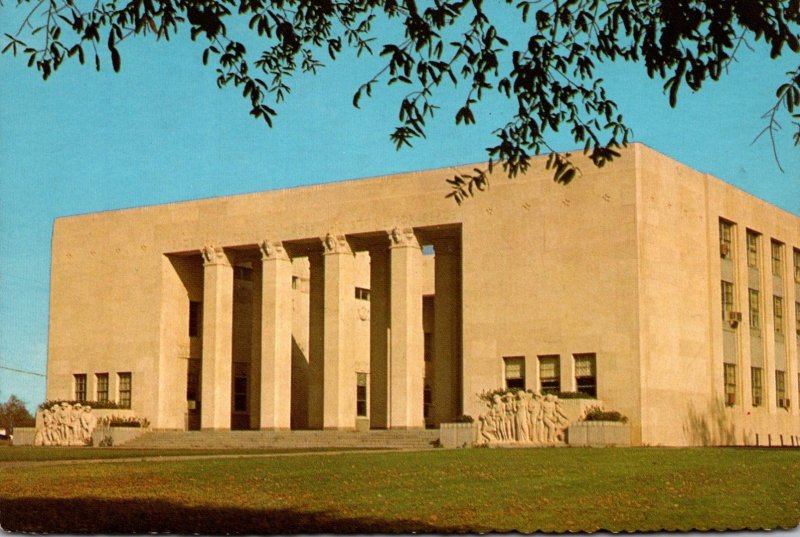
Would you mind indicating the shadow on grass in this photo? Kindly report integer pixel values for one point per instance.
(95, 515)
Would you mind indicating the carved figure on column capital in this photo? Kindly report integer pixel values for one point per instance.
(213, 254)
(404, 237)
(335, 244)
(272, 250)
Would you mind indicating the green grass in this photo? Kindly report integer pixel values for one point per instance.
(30, 454)
(431, 491)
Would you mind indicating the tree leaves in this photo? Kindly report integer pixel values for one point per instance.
(550, 78)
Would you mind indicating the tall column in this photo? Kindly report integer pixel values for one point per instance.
(446, 307)
(316, 340)
(215, 411)
(339, 378)
(379, 278)
(276, 337)
(406, 360)
(254, 388)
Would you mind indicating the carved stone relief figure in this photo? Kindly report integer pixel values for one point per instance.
(64, 425)
(522, 417)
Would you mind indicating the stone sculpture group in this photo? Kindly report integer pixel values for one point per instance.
(65, 424)
(523, 417)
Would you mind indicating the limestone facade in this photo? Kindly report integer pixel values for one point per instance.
(380, 303)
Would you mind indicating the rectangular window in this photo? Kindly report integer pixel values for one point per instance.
(102, 386)
(362, 294)
(725, 239)
(752, 248)
(125, 389)
(192, 385)
(757, 385)
(427, 400)
(80, 387)
(195, 318)
(780, 389)
(586, 374)
(428, 349)
(755, 316)
(515, 372)
(240, 392)
(549, 373)
(727, 299)
(797, 265)
(777, 311)
(361, 395)
(777, 258)
(243, 273)
(730, 384)
(797, 318)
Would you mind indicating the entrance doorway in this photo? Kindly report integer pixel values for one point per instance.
(240, 411)
(193, 395)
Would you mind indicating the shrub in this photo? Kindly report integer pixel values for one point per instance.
(488, 395)
(574, 395)
(464, 418)
(597, 414)
(93, 404)
(117, 421)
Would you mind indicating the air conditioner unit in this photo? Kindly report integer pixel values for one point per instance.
(724, 250)
(784, 403)
(734, 317)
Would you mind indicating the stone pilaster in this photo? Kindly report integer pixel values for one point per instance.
(276, 337)
(406, 360)
(339, 378)
(215, 412)
(447, 309)
(379, 337)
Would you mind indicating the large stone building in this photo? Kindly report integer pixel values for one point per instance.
(672, 296)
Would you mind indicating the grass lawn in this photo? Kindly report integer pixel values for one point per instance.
(29, 454)
(431, 491)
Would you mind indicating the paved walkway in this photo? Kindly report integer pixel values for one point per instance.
(169, 458)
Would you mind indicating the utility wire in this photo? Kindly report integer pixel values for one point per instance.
(23, 371)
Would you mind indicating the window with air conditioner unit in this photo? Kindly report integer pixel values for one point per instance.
(727, 300)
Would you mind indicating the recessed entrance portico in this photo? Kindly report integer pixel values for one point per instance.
(286, 348)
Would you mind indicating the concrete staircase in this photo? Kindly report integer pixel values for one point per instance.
(397, 439)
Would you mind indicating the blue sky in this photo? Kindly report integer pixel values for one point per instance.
(161, 131)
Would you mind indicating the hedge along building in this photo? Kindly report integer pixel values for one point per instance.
(380, 303)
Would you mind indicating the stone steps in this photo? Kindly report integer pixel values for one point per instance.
(399, 439)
